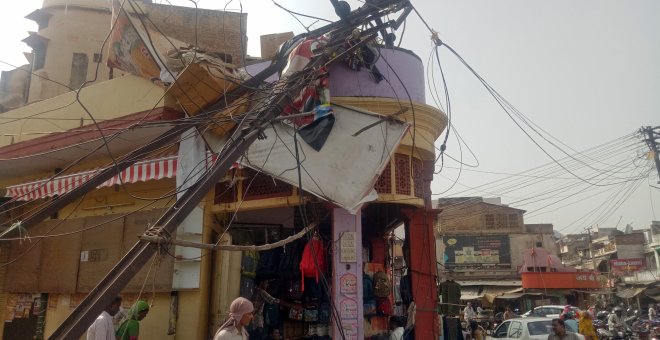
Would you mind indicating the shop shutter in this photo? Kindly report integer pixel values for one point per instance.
(60, 257)
(25, 258)
(100, 250)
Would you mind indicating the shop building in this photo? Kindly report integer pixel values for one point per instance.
(481, 243)
(190, 290)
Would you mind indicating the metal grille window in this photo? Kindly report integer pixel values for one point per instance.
(384, 183)
(490, 221)
(501, 222)
(513, 220)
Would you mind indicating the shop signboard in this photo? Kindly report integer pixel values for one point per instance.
(563, 280)
(348, 284)
(476, 252)
(626, 266)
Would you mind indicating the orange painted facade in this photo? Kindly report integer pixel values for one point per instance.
(575, 280)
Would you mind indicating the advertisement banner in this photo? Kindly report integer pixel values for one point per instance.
(626, 266)
(127, 49)
(471, 252)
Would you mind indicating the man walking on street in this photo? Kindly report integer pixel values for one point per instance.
(468, 312)
(103, 328)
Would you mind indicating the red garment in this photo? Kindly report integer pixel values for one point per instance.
(309, 267)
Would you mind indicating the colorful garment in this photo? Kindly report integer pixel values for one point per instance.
(129, 329)
(586, 326)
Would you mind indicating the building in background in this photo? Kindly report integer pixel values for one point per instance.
(606, 244)
(481, 244)
(69, 44)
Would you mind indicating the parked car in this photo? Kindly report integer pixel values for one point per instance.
(530, 328)
(552, 311)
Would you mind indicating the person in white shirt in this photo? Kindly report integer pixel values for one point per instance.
(240, 315)
(468, 312)
(396, 327)
(103, 328)
(652, 313)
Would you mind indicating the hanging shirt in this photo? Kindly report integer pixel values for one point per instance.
(102, 328)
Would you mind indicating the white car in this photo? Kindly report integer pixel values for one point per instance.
(524, 329)
(552, 311)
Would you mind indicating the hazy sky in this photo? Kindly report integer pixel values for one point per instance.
(586, 72)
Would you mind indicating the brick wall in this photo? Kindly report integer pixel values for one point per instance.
(217, 31)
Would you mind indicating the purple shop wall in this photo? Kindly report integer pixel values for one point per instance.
(345, 82)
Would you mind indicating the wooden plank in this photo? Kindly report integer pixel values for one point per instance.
(201, 84)
(25, 259)
(100, 250)
(160, 278)
(60, 259)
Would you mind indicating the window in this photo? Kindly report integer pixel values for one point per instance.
(39, 57)
(501, 222)
(541, 311)
(554, 310)
(513, 221)
(502, 331)
(539, 327)
(515, 330)
(490, 221)
(78, 70)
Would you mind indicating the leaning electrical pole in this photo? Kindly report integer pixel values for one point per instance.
(651, 136)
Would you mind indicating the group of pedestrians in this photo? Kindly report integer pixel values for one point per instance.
(128, 328)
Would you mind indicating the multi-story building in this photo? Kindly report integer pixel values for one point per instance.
(481, 243)
(190, 289)
(69, 44)
(607, 244)
(46, 129)
(650, 267)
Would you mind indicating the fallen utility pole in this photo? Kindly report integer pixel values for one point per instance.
(136, 155)
(651, 136)
(112, 284)
(361, 15)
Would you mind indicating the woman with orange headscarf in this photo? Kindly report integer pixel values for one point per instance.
(586, 326)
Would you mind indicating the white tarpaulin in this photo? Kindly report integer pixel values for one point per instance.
(345, 170)
(191, 161)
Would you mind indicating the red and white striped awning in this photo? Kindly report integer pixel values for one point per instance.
(152, 169)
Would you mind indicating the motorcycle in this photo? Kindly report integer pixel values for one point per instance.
(624, 332)
(620, 334)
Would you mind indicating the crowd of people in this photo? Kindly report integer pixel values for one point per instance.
(243, 312)
(570, 322)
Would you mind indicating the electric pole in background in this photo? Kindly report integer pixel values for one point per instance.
(651, 136)
(591, 247)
